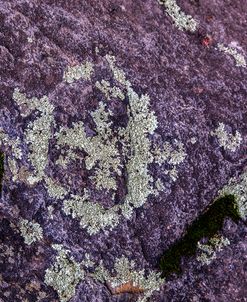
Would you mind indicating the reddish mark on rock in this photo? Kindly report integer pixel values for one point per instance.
(128, 287)
(209, 18)
(198, 90)
(207, 41)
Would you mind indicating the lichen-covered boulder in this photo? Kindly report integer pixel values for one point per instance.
(120, 123)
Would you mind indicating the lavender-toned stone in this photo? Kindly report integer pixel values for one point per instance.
(120, 123)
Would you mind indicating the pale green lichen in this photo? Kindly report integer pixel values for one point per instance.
(173, 155)
(82, 71)
(108, 91)
(159, 187)
(124, 272)
(16, 153)
(54, 189)
(37, 133)
(31, 231)
(142, 122)
(239, 58)
(237, 187)
(64, 274)
(208, 252)
(103, 157)
(14, 169)
(181, 20)
(136, 143)
(227, 140)
(66, 157)
(92, 216)
(118, 74)
(13, 143)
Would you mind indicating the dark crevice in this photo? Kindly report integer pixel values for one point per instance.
(206, 226)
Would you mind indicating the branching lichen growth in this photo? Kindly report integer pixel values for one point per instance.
(16, 154)
(30, 231)
(103, 154)
(142, 122)
(92, 216)
(174, 156)
(108, 91)
(64, 274)
(82, 71)
(106, 160)
(239, 59)
(181, 20)
(38, 132)
(208, 252)
(118, 74)
(13, 143)
(125, 273)
(227, 140)
(54, 189)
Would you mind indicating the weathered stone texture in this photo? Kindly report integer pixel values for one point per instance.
(119, 128)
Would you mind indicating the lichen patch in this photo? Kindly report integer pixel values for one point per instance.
(227, 140)
(180, 19)
(208, 252)
(238, 57)
(64, 274)
(81, 71)
(31, 231)
(127, 279)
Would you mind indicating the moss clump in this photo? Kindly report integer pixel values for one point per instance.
(1, 171)
(206, 226)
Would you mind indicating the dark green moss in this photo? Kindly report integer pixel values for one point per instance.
(1, 171)
(207, 225)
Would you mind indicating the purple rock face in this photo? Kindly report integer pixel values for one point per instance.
(120, 122)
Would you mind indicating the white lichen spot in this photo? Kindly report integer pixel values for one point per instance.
(31, 231)
(29, 39)
(82, 71)
(193, 140)
(125, 273)
(227, 140)
(208, 252)
(181, 20)
(238, 188)
(87, 262)
(239, 58)
(64, 274)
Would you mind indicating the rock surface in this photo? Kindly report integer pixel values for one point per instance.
(120, 121)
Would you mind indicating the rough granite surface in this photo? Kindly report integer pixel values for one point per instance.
(119, 127)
